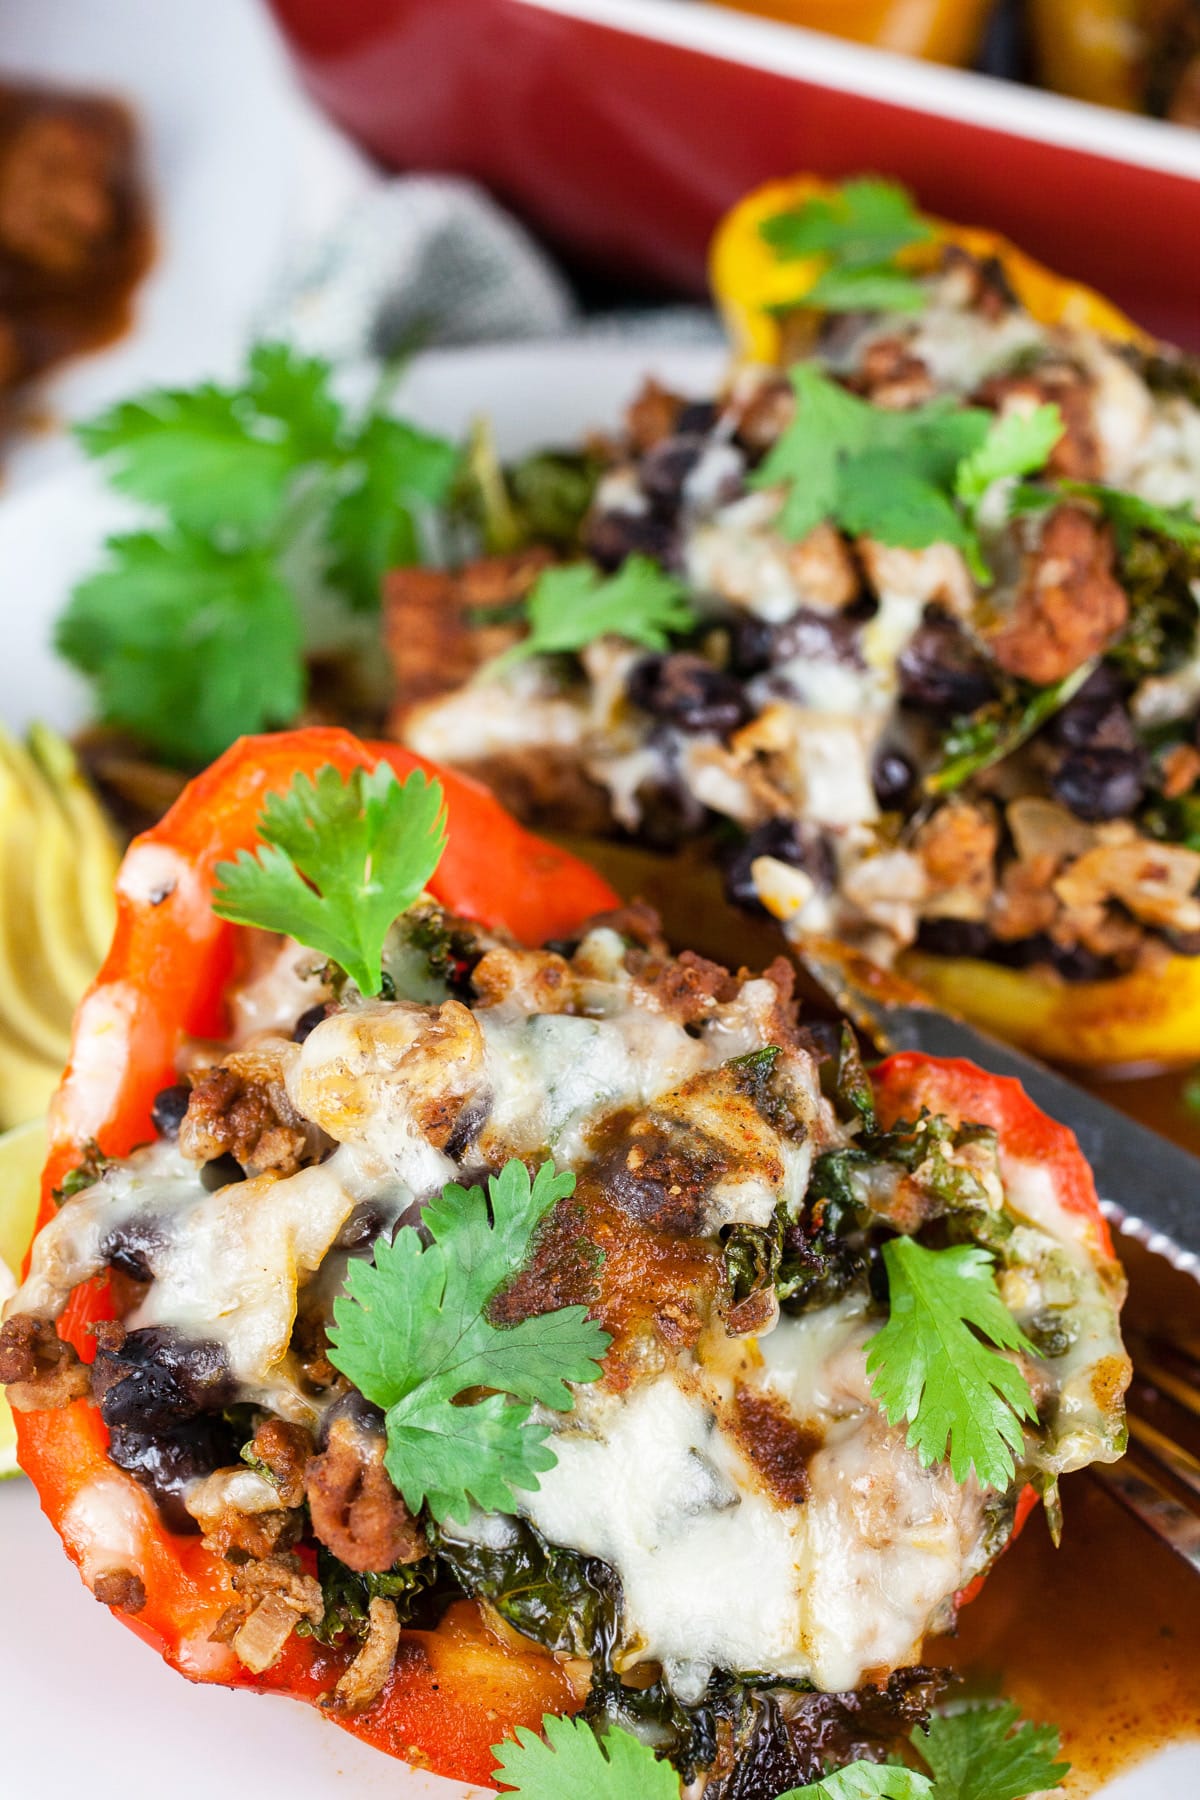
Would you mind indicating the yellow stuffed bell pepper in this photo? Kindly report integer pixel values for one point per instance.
(1139, 55)
(945, 31)
(1149, 1015)
(752, 285)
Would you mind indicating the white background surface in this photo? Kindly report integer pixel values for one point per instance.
(85, 1708)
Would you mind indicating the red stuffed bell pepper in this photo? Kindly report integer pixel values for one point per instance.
(695, 1225)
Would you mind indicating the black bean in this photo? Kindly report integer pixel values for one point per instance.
(351, 1405)
(894, 778)
(131, 1247)
(1072, 961)
(165, 1463)
(1097, 724)
(1100, 784)
(664, 469)
(688, 692)
(818, 637)
(468, 1125)
(697, 417)
(941, 670)
(751, 645)
(362, 1227)
(158, 1378)
(954, 937)
(791, 841)
(170, 1104)
(308, 1021)
(611, 537)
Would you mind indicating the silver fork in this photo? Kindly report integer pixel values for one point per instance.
(1158, 1478)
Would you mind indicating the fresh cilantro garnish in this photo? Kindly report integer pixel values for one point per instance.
(341, 859)
(1016, 444)
(570, 607)
(572, 1763)
(188, 644)
(933, 1363)
(983, 1753)
(975, 1754)
(192, 631)
(412, 1333)
(865, 1781)
(887, 473)
(859, 231)
(911, 478)
(987, 737)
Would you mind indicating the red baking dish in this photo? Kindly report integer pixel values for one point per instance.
(621, 129)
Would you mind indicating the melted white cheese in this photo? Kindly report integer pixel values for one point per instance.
(715, 1570)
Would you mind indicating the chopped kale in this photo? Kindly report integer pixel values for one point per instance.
(567, 1602)
(348, 1595)
(1157, 573)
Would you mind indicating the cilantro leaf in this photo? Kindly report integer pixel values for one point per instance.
(188, 645)
(962, 1399)
(572, 1763)
(254, 484)
(294, 391)
(340, 861)
(865, 1781)
(412, 1333)
(859, 230)
(977, 1754)
(1016, 444)
(887, 475)
(372, 527)
(572, 606)
(830, 423)
(190, 452)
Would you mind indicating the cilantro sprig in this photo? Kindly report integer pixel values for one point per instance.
(937, 1362)
(341, 859)
(569, 607)
(989, 1753)
(412, 1333)
(910, 478)
(978, 1753)
(192, 630)
(859, 231)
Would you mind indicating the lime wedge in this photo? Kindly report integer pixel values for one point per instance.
(22, 1153)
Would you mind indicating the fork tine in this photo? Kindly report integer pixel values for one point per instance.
(1167, 1454)
(1139, 1491)
(1170, 1369)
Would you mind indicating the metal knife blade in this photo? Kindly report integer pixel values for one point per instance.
(1148, 1186)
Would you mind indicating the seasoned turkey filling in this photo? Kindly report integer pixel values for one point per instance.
(891, 745)
(730, 1545)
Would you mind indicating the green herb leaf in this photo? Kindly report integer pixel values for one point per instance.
(987, 737)
(412, 1333)
(189, 645)
(865, 1781)
(572, 1763)
(570, 607)
(192, 453)
(982, 1753)
(372, 527)
(341, 860)
(887, 475)
(1016, 444)
(192, 634)
(860, 230)
(960, 1397)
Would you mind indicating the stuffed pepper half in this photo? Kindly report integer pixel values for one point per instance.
(454, 1308)
(908, 630)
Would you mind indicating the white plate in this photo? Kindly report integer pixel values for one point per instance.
(84, 1707)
